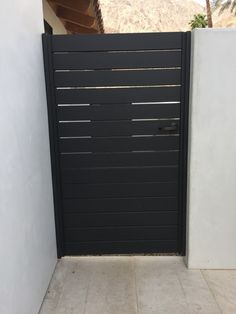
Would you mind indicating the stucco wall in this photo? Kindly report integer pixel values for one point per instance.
(27, 235)
(52, 19)
(212, 165)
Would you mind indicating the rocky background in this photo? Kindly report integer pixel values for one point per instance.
(224, 19)
(128, 16)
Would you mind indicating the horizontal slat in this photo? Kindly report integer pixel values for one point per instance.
(125, 247)
(118, 112)
(116, 128)
(118, 78)
(120, 234)
(119, 144)
(118, 95)
(117, 60)
(120, 219)
(120, 204)
(120, 190)
(117, 42)
(113, 175)
(119, 159)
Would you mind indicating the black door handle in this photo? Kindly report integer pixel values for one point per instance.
(170, 128)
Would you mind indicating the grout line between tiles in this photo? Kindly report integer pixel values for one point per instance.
(135, 286)
(87, 293)
(49, 285)
(184, 293)
(63, 286)
(211, 291)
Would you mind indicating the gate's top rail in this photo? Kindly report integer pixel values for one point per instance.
(117, 42)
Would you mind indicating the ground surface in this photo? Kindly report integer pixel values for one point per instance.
(140, 285)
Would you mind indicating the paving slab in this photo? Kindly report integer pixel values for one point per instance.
(137, 285)
(222, 283)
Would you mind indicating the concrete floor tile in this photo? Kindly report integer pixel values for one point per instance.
(166, 286)
(56, 286)
(138, 285)
(112, 287)
(197, 294)
(158, 287)
(223, 285)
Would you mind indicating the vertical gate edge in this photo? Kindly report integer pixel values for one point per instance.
(55, 167)
(184, 114)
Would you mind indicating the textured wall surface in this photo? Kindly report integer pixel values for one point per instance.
(212, 167)
(27, 235)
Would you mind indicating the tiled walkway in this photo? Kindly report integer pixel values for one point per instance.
(138, 284)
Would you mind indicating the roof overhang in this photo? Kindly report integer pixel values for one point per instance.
(79, 16)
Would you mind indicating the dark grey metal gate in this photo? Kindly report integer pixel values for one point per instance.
(118, 110)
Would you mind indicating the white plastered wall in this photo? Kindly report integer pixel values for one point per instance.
(212, 165)
(27, 233)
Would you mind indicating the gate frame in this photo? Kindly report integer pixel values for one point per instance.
(54, 143)
(184, 127)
